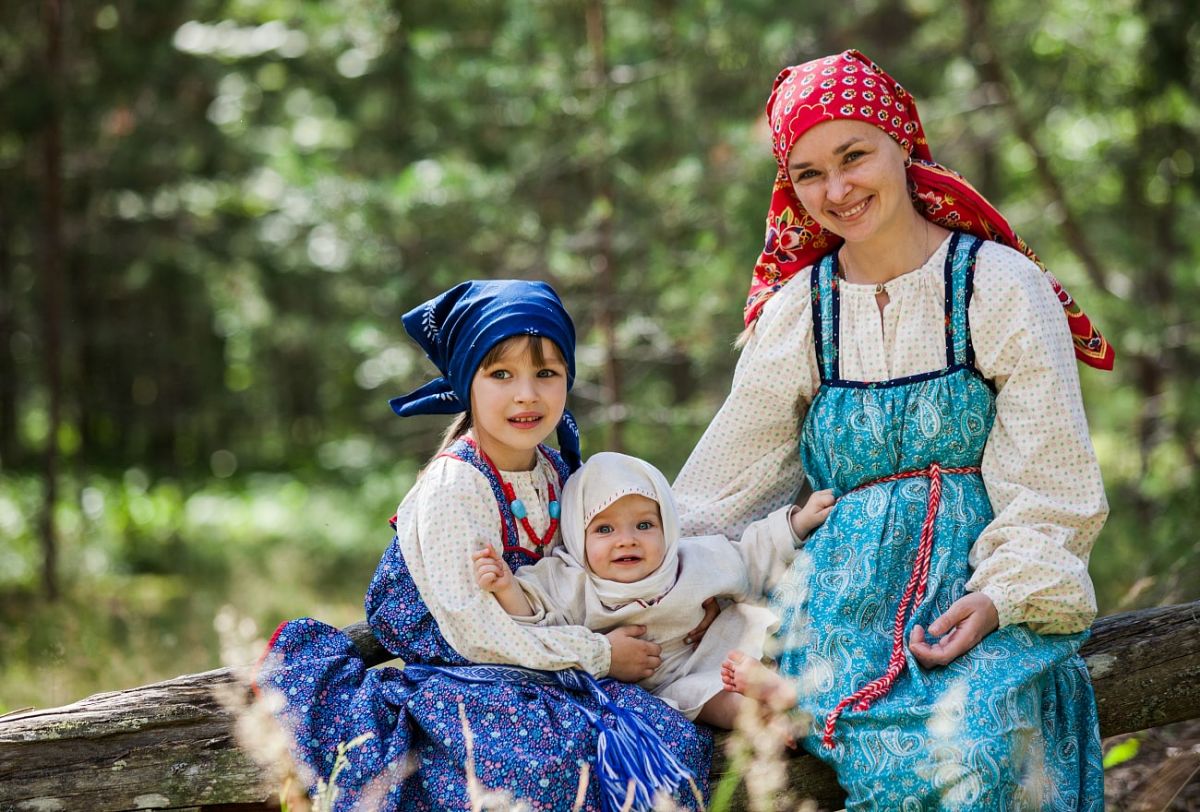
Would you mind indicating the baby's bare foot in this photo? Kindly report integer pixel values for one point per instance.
(745, 675)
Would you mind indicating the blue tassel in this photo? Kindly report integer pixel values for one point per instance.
(628, 750)
(631, 750)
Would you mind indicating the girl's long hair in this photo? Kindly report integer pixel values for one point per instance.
(463, 423)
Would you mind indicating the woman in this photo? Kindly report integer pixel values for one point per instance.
(908, 342)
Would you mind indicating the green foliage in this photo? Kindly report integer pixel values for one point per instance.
(256, 190)
(149, 564)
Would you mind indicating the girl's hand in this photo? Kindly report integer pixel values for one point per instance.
(632, 659)
(491, 572)
(968, 620)
(813, 514)
(711, 610)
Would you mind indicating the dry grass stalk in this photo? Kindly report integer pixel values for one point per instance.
(629, 790)
(581, 791)
(480, 796)
(1158, 793)
(256, 726)
(269, 743)
(756, 750)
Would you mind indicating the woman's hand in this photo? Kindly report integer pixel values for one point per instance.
(632, 659)
(968, 620)
(711, 610)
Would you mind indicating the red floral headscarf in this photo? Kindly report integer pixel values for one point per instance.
(850, 86)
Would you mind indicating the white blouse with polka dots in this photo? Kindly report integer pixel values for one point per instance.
(448, 515)
(1039, 467)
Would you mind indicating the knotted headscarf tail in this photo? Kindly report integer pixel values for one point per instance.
(459, 327)
(849, 86)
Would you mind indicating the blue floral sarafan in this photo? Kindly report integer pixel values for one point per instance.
(530, 738)
(1009, 725)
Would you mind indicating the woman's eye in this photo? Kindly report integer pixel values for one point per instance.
(807, 174)
(854, 155)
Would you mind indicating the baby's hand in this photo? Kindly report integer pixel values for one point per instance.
(813, 514)
(491, 572)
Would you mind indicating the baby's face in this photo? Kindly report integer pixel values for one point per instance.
(625, 542)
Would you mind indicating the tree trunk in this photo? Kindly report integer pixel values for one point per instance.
(10, 451)
(52, 270)
(602, 259)
(995, 72)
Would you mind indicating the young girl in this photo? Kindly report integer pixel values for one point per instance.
(622, 562)
(505, 351)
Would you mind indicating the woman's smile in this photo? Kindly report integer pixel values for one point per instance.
(848, 213)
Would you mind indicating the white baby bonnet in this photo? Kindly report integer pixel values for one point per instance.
(602, 480)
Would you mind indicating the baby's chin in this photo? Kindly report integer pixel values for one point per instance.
(618, 577)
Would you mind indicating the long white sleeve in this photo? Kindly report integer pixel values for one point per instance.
(746, 464)
(1039, 467)
(450, 515)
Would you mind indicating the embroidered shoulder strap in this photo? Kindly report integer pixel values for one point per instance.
(465, 450)
(560, 465)
(824, 287)
(960, 281)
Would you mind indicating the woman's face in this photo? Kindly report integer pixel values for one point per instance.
(850, 178)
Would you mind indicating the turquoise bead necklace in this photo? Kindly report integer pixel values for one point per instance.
(519, 511)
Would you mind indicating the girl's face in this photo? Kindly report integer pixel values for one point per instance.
(850, 177)
(517, 398)
(625, 541)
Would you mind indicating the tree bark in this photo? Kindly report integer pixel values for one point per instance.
(10, 451)
(170, 745)
(603, 260)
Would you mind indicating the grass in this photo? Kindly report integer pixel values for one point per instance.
(151, 570)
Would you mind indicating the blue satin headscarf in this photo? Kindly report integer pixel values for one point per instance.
(459, 327)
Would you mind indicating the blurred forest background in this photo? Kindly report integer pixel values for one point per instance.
(214, 212)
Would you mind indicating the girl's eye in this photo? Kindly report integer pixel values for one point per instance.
(500, 374)
(602, 529)
(547, 373)
(646, 525)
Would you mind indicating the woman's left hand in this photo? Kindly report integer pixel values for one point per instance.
(968, 620)
(711, 610)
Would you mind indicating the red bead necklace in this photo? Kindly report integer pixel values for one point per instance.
(519, 511)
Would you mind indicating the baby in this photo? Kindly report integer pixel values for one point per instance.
(623, 563)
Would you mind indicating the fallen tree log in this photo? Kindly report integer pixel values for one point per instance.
(170, 745)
